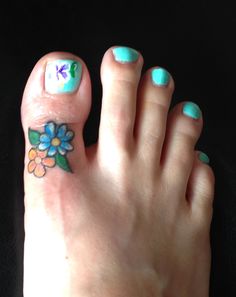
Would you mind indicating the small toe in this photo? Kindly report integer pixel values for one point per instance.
(154, 97)
(184, 127)
(200, 189)
(120, 75)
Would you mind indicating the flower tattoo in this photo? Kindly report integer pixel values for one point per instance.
(49, 148)
(39, 162)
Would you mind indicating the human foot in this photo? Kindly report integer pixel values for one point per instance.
(133, 218)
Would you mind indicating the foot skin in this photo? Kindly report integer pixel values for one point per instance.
(130, 215)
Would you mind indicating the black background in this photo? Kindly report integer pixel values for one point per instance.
(194, 40)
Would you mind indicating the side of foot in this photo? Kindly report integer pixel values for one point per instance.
(130, 215)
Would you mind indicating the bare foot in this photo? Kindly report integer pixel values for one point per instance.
(130, 215)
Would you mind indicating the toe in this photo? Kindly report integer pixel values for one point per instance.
(184, 126)
(120, 74)
(55, 106)
(200, 189)
(154, 97)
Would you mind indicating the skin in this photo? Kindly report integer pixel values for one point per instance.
(133, 219)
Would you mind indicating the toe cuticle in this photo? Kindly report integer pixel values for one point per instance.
(192, 110)
(125, 54)
(203, 158)
(160, 77)
(62, 76)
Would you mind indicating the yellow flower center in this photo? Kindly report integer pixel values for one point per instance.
(55, 141)
(38, 160)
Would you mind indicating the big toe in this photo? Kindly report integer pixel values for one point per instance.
(55, 106)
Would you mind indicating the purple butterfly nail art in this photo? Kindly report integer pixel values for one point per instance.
(61, 71)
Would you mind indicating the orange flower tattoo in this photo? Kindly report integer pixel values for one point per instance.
(39, 161)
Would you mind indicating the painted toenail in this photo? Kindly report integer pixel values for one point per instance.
(192, 110)
(204, 158)
(160, 77)
(125, 54)
(62, 76)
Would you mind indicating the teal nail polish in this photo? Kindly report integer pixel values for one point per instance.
(204, 158)
(160, 77)
(62, 76)
(125, 54)
(192, 110)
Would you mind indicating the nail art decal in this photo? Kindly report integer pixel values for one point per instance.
(49, 148)
(62, 76)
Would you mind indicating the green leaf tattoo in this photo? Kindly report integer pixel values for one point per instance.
(34, 137)
(62, 162)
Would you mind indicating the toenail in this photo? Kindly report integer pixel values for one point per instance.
(125, 54)
(62, 76)
(192, 110)
(160, 77)
(204, 158)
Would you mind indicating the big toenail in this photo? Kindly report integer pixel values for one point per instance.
(204, 158)
(62, 76)
(192, 110)
(125, 54)
(160, 77)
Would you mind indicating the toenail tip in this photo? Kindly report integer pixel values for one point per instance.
(62, 76)
(125, 54)
(160, 77)
(192, 110)
(204, 158)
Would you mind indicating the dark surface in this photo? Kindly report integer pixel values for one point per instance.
(195, 42)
